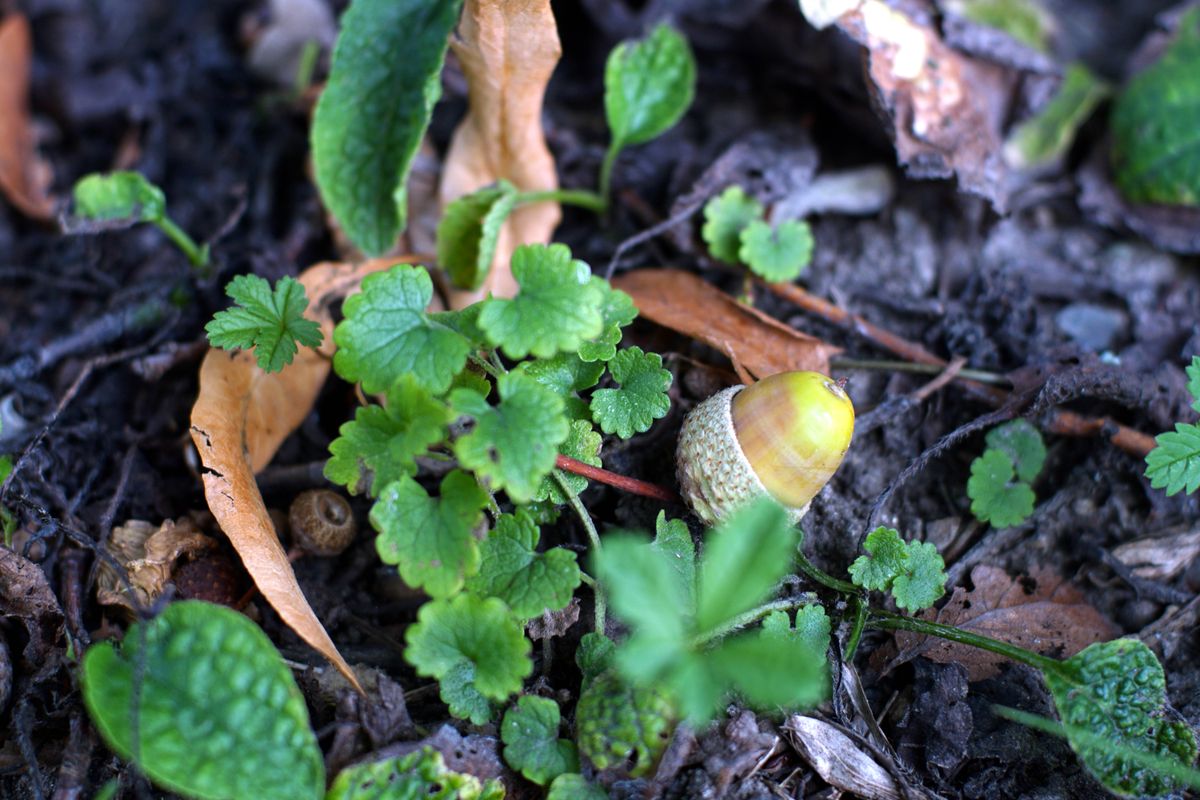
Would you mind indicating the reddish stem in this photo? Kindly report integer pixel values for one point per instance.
(632, 485)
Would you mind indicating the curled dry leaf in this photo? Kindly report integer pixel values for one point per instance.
(24, 176)
(240, 418)
(1044, 614)
(838, 759)
(508, 50)
(1160, 558)
(758, 342)
(947, 110)
(148, 553)
(27, 600)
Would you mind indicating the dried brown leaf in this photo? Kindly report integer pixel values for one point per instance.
(1044, 614)
(240, 418)
(508, 50)
(688, 304)
(1162, 557)
(26, 598)
(148, 553)
(838, 759)
(24, 176)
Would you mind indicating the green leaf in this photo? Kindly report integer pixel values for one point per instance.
(594, 655)
(556, 309)
(564, 373)
(479, 631)
(458, 692)
(1156, 152)
(119, 196)
(1116, 691)
(887, 557)
(467, 234)
(648, 85)
(1174, 463)
(995, 497)
(1193, 385)
(776, 254)
(914, 572)
(531, 743)
(725, 216)
(573, 786)
(619, 724)
(514, 444)
(512, 570)
(812, 628)
(431, 541)
(217, 711)
(371, 116)
(1023, 20)
(387, 333)
(581, 444)
(1022, 443)
(381, 444)
(420, 775)
(272, 322)
(768, 672)
(641, 399)
(745, 557)
(645, 591)
(1045, 138)
(673, 540)
(617, 310)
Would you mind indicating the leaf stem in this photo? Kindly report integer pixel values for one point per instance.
(861, 611)
(631, 485)
(887, 620)
(748, 617)
(594, 537)
(822, 577)
(606, 169)
(584, 198)
(196, 254)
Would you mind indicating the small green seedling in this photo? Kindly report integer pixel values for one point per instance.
(1174, 463)
(271, 322)
(121, 199)
(1000, 486)
(737, 232)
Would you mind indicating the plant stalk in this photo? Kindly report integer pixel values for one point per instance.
(594, 537)
(583, 198)
(197, 255)
(887, 620)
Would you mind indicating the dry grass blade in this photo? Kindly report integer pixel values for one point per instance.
(688, 304)
(241, 416)
(508, 50)
(24, 176)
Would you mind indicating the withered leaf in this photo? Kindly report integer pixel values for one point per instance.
(148, 553)
(508, 50)
(24, 176)
(1044, 614)
(758, 342)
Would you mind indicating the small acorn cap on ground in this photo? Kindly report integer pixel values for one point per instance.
(322, 522)
(783, 436)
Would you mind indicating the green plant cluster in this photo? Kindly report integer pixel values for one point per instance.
(1001, 482)
(737, 232)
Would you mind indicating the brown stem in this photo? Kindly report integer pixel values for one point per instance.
(632, 485)
(1062, 422)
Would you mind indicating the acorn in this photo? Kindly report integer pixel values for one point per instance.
(783, 437)
(322, 522)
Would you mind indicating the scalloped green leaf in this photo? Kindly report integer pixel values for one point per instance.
(557, 308)
(617, 310)
(387, 333)
(1022, 443)
(995, 497)
(512, 570)
(778, 253)
(482, 632)
(531, 744)
(457, 690)
(369, 121)
(431, 540)
(468, 231)
(1155, 151)
(573, 786)
(106, 197)
(725, 216)
(218, 713)
(271, 321)
(581, 444)
(420, 775)
(913, 572)
(1116, 691)
(641, 398)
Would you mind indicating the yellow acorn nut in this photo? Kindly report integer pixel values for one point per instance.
(783, 436)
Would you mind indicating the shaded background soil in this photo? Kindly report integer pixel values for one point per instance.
(101, 336)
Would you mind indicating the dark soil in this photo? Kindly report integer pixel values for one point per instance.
(101, 337)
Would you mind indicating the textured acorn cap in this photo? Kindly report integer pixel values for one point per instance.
(795, 426)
